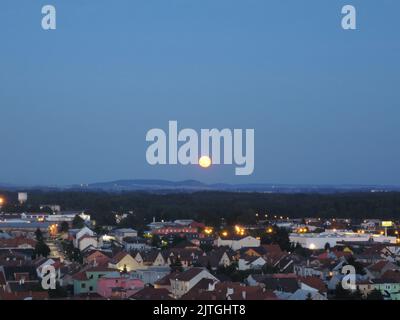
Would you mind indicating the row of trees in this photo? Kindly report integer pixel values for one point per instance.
(211, 207)
(343, 294)
(41, 248)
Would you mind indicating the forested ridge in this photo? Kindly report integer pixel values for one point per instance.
(210, 207)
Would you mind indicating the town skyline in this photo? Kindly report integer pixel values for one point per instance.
(89, 250)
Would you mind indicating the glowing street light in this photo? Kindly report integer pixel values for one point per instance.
(239, 230)
(53, 229)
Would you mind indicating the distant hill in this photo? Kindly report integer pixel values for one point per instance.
(166, 186)
(193, 185)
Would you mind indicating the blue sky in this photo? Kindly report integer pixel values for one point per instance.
(76, 102)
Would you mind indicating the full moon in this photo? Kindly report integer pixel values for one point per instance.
(205, 162)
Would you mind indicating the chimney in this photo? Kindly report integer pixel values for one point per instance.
(211, 286)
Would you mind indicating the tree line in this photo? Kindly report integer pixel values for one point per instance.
(213, 207)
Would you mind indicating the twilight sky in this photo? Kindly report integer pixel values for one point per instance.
(76, 102)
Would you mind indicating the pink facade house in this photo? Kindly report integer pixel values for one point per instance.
(118, 286)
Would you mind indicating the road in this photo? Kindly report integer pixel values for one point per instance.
(55, 250)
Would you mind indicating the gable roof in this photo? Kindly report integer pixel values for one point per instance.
(272, 248)
(377, 267)
(166, 280)
(214, 257)
(91, 252)
(11, 271)
(151, 256)
(189, 274)
(281, 284)
(265, 249)
(34, 295)
(86, 236)
(82, 275)
(119, 256)
(17, 242)
(314, 282)
(391, 275)
(231, 291)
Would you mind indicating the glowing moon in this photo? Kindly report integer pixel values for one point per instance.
(205, 162)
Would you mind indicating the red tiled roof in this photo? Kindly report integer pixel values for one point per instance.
(150, 293)
(314, 282)
(119, 256)
(17, 242)
(80, 276)
(249, 293)
(272, 249)
(240, 292)
(378, 266)
(327, 255)
(35, 295)
(391, 275)
(376, 248)
(95, 253)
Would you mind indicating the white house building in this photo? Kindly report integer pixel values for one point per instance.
(120, 234)
(185, 281)
(316, 241)
(238, 243)
(251, 263)
(84, 238)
